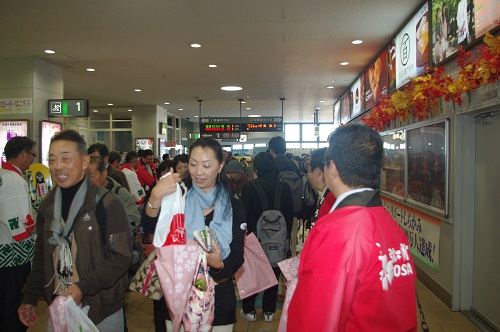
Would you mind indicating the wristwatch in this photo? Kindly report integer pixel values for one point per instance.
(149, 205)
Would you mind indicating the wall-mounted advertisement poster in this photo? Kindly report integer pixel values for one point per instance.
(391, 63)
(336, 112)
(144, 143)
(452, 24)
(376, 80)
(9, 129)
(346, 107)
(486, 16)
(47, 130)
(412, 47)
(358, 100)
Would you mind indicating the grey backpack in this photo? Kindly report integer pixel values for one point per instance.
(271, 227)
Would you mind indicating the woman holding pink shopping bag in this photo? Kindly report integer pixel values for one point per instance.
(210, 202)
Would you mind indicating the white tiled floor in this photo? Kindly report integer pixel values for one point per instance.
(139, 312)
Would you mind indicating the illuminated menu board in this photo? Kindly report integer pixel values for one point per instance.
(412, 47)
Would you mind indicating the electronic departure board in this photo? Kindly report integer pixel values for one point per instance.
(230, 127)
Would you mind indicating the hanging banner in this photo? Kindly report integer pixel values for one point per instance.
(423, 231)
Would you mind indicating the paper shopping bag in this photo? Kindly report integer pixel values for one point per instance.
(170, 227)
(176, 266)
(256, 273)
(290, 269)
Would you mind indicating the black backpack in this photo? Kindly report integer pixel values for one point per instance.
(294, 181)
(271, 227)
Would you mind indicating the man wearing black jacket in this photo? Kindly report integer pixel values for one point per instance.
(267, 178)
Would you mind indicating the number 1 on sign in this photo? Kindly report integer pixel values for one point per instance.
(78, 105)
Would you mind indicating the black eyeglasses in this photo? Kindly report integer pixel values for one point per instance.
(33, 154)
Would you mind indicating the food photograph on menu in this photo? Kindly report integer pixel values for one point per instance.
(346, 107)
(358, 100)
(336, 112)
(375, 78)
(391, 63)
(452, 25)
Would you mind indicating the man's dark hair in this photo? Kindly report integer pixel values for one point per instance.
(357, 151)
(102, 148)
(18, 144)
(263, 164)
(131, 156)
(115, 155)
(277, 144)
(98, 162)
(73, 136)
(165, 156)
(147, 152)
(317, 159)
(140, 152)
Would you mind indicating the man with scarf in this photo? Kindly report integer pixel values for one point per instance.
(83, 247)
(17, 238)
(356, 272)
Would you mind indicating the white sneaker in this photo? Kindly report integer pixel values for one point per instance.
(268, 317)
(251, 316)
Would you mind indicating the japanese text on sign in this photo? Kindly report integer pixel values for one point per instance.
(422, 231)
(16, 105)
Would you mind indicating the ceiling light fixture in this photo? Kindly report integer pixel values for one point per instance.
(243, 102)
(330, 87)
(50, 52)
(196, 116)
(167, 103)
(345, 63)
(254, 116)
(130, 110)
(357, 42)
(195, 45)
(90, 69)
(110, 104)
(249, 108)
(137, 90)
(231, 88)
(181, 109)
(96, 111)
(321, 101)
(212, 66)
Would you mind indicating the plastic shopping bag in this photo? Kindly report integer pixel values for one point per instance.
(256, 273)
(67, 316)
(290, 269)
(170, 227)
(199, 313)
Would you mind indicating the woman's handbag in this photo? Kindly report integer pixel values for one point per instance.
(145, 280)
(256, 273)
(199, 313)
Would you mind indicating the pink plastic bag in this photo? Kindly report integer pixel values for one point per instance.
(56, 313)
(176, 266)
(199, 313)
(256, 273)
(290, 269)
(170, 227)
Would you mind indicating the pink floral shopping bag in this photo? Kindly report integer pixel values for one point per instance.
(199, 314)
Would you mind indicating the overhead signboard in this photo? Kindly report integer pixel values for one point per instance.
(231, 125)
(68, 107)
(222, 135)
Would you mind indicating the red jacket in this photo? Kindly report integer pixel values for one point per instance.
(326, 205)
(356, 272)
